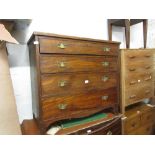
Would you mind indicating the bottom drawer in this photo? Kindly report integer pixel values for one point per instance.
(112, 127)
(147, 129)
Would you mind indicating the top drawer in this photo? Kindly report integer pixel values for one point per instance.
(138, 55)
(70, 46)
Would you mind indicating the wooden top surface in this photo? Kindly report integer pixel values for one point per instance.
(70, 37)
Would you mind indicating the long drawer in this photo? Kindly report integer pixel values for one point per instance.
(138, 93)
(138, 55)
(143, 66)
(139, 80)
(67, 106)
(71, 63)
(147, 129)
(59, 84)
(73, 46)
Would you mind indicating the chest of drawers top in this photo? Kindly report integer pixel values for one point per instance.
(61, 44)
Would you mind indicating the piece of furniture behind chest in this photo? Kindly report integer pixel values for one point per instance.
(72, 77)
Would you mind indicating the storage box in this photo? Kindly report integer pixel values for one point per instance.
(9, 122)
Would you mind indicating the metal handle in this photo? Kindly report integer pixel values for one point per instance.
(105, 98)
(105, 78)
(109, 133)
(105, 63)
(62, 106)
(132, 69)
(62, 83)
(61, 45)
(132, 96)
(61, 64)
(106, 49)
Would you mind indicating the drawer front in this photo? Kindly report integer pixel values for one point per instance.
(144, 130)
(110, 128)
(138, 80)
(60, 84)
(67, 63)
(70, 46)
(131, 124)
(147, 117)
(136, 95)
(134, 67)
(68, 106)
(138, 55)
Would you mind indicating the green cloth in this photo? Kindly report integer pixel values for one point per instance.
(81, 121)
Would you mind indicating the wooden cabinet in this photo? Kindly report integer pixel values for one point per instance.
(72, 77)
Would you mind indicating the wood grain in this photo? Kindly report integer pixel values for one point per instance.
(60, 84)
(72, 63)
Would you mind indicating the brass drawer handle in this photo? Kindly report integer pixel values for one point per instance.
(61, 45)
(132, 96)
(105, 98)
(109, 133)
(132, 82)
(132, 69)
(105, 63)
(106, 49)
(61, 64)
(105, 78)
(147, 91)
(62, 106)
(62, 83)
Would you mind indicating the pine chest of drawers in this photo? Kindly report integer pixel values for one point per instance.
(72, 77)
(136, 75)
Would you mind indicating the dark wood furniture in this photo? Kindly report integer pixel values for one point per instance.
(72, 77)
(127, 23)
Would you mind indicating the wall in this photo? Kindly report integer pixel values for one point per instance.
(94, 27)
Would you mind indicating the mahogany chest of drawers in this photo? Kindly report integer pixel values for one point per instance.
(136, 75)
(72, 77)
